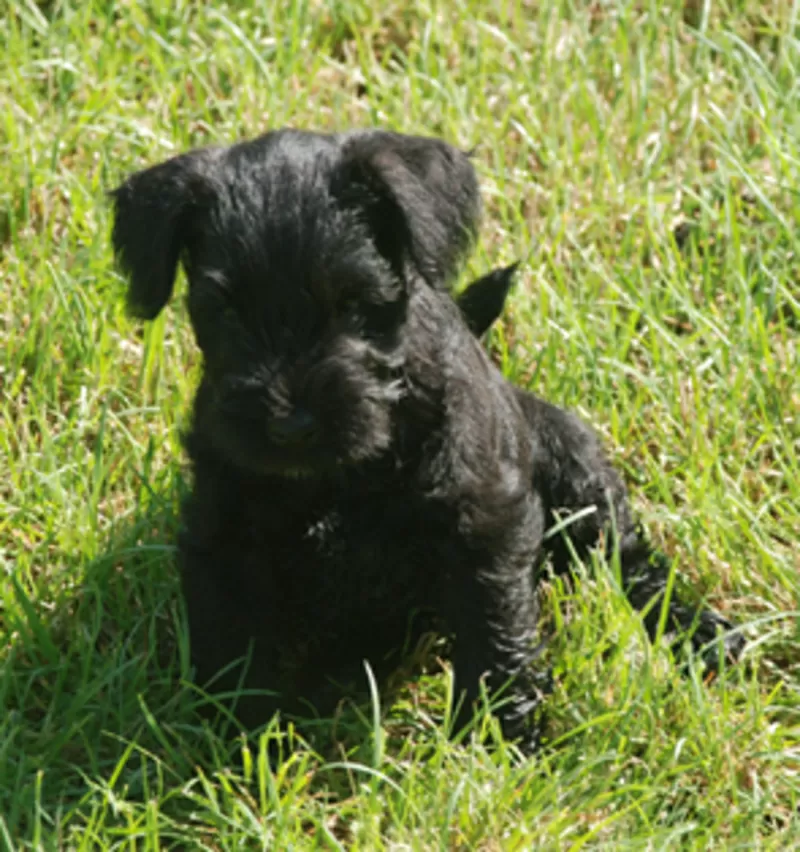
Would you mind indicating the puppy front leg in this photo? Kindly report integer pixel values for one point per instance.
(227, 653)
(493, 611)
(229, 647)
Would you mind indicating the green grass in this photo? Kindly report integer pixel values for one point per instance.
(643, 157)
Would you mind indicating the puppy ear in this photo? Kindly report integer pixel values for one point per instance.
(420, 197)
(482, 302)
(151, 211)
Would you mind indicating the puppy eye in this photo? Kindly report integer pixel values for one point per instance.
(369, 319)
(381, 319)
(347, 304)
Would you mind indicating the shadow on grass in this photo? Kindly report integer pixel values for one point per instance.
(98, 701)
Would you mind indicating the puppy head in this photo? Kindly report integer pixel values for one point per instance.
(301, 253)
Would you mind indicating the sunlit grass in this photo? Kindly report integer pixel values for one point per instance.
(643, 159)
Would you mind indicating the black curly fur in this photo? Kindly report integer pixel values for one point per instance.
(360, 466)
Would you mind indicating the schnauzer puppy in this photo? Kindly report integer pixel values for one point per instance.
(361, 470)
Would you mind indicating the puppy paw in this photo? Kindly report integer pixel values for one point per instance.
(714, 638)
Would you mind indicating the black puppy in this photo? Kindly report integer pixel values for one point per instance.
(361, 470)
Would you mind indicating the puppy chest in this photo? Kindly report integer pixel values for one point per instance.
(374, 561)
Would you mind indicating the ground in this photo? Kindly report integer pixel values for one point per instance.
(642, 159)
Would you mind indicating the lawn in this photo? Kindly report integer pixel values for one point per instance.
(642, 159)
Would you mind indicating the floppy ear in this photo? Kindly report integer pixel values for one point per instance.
(482, 301)
(420, 197)
(151, 211)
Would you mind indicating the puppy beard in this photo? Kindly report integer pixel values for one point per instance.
(354, 412)
(354, 392)
(365, 432)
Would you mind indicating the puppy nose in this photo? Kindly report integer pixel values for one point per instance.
(296, 428)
